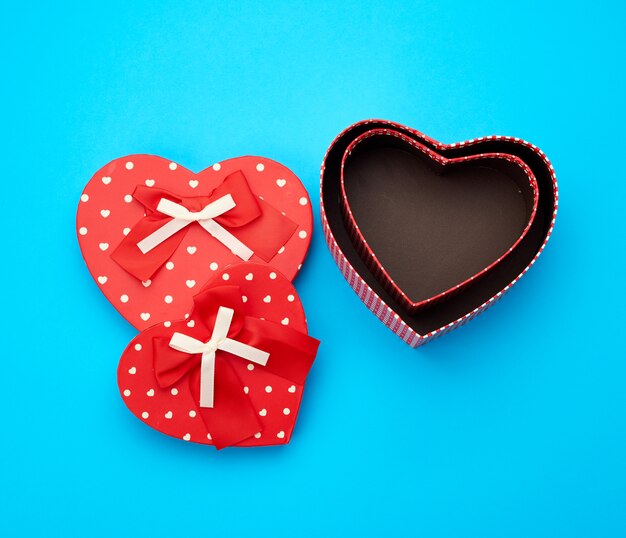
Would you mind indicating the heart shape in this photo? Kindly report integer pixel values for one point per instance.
(199, 255)
(427, 225)
(173, 410)
(455, 310)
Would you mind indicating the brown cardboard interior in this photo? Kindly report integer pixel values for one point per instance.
(475, 294)
(433, 227)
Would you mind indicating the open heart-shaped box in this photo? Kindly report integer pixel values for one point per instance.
(458, 308)
(427, 225)
(267, 219)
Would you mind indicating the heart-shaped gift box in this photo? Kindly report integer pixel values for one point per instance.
(152, 232)
(456, 309)
(231, 373)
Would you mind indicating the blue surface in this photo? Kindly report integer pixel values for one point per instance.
(514, 425)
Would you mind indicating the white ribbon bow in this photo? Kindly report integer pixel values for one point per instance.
(183, 217)
(186, 344)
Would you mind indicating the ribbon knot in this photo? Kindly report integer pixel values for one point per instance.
(212, 346)
(218, 341)
(209, 211)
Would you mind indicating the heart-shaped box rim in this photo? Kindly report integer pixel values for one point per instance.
(372, 300)
(377, 267)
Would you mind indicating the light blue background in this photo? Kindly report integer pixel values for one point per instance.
(512, 426)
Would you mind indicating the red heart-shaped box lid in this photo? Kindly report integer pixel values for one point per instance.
(274, 400)
(107, 213)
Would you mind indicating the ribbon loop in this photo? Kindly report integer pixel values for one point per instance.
(187, 344)
(218, 341)
(210, 211)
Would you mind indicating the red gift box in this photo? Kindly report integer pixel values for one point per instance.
(455, 309)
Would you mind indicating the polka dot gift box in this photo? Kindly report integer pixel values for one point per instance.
(152, 232)
(230, 374)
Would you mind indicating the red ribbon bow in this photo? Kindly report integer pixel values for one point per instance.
(253, 221)
(232, 419)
